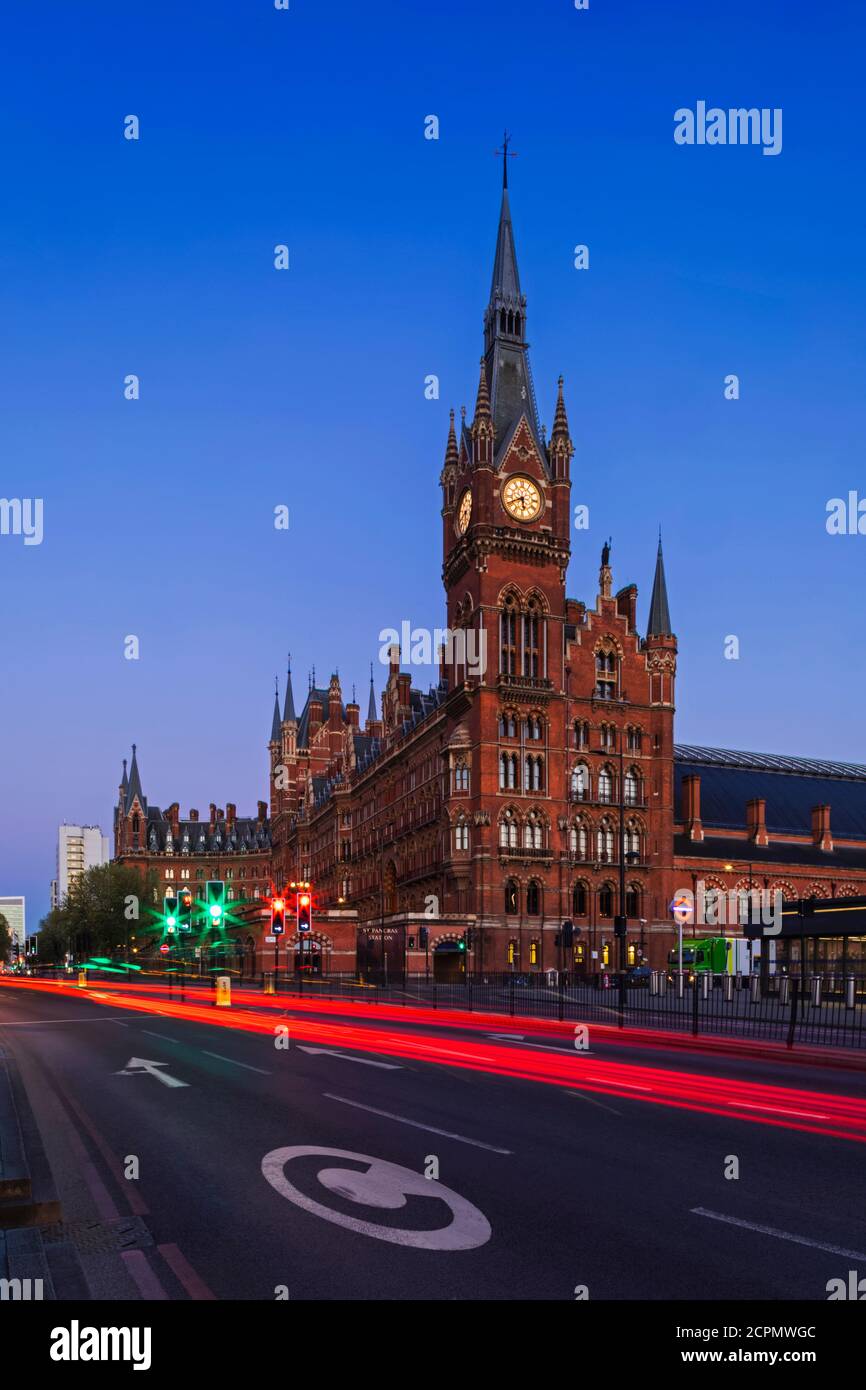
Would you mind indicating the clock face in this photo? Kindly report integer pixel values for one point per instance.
(521, 498)
(464, 511)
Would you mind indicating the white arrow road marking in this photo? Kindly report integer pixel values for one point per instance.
(366, 1061)
(384, 1186)
(139, 1066)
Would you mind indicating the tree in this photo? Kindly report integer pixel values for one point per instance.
(103, 908)
(5, 938)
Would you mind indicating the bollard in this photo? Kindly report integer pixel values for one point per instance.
(784, 990)
(850, 994)
(654, 982)
(223, 991)
(663, 982)
(268, 982)
(82, 979)
(728, 988)
(815, 990)
(754, 988)
(739, 979)
(705, 985)
(679, 984)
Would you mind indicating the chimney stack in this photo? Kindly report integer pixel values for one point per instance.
(821, 833)
(756, 820)
(692, 807)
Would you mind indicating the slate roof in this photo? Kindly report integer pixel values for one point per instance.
(790, 786)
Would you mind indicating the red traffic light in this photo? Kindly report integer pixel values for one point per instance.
(278, 904)
(304, 900)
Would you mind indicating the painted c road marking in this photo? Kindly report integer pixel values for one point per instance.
(383, 1185)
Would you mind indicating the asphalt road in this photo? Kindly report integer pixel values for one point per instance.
(541, 1188)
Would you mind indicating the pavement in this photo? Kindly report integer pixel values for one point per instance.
(197, 1156)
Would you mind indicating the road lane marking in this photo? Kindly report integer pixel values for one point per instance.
(581, 1095)
(416, 1124)
(140, 1066)
(38, 1022)
(567, 1051)
(234, 1063)
(366, 1061)
(143, 1276)
(183, 1270)
(778, 1110)
(163, 1036)
(779, 1235)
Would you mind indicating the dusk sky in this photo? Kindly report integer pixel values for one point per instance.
(306, 387)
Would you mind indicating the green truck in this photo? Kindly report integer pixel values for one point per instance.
(718, 955)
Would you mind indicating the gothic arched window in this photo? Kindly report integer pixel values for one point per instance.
(511, 900)
(604, 842)
(461, 834)
(580, 783)
(631, 788)
(532, 637)
(508, 831)
(605, 675)
(578, 900)
(533, 899)
(605, 901)
(508, 637)
(605, 785)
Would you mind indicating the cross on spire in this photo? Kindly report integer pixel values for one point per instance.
(506, 155)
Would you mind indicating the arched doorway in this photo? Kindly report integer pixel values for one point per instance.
(308, 957)
(449, 962)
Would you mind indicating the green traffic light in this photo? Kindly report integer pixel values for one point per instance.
(171, 921)
(216, 911)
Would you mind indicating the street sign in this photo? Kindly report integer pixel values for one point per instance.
(270, 940)
(163, 950)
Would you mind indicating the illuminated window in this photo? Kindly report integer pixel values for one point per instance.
(632, 953)
(512, 947)
(580, 783)
(605, 954)
(533, 953)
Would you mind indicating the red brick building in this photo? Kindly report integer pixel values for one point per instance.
(492, 802)
(538, 781)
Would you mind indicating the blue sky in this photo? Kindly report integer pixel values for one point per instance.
(306, 388)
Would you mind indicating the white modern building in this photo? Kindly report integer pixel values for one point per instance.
(13, 909)
(79, 847)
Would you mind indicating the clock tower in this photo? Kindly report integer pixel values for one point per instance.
(506, 503)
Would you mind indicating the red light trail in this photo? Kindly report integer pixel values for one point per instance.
(815, 1112)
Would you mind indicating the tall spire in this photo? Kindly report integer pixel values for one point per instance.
(659, 616)
(371, 708)
(124, 781)
(289, 704)
(135, 782)
(275, 722)
(505, 348)
(452, 457)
